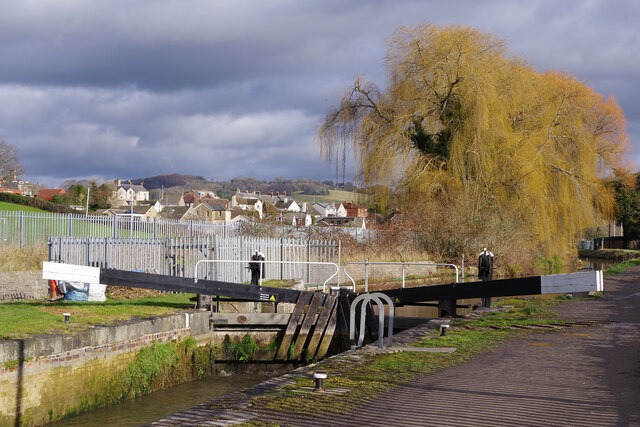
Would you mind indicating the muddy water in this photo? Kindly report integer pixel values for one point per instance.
(147, 409)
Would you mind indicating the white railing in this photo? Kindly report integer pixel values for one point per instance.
(262, 263)
(29, 229)
(403, 264)
(178, 256)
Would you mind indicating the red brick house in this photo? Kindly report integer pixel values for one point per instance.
(48, 193)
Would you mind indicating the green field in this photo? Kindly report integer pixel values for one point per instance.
(57, 224)
(23, 318)
(337, 196)
(5, 206)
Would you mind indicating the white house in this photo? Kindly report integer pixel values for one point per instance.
(325, 209)
(296, 219)
(247, 202)
(125, 193)
(215, 212)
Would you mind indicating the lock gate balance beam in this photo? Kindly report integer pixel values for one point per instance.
(588, 281)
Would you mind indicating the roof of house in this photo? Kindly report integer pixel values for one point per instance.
(48, 193)
(281, 205)
(135, 187)
(247, 201)
(351, 205)
(346, 221)
(298, 215)
(175, 212)
(215, 206)
(140, 209)
(324, 205)
(171, 198)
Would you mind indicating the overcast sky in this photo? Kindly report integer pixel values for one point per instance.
(126, 89)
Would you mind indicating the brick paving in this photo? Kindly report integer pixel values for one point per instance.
(587, 376)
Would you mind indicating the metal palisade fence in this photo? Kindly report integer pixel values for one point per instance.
(177, 256)
(28, 229)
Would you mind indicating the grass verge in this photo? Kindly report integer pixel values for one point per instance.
(614, 254)
(7, 206)
(22, 259)
(23, 318)
(619, 268)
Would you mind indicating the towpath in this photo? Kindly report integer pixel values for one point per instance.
(571, 377)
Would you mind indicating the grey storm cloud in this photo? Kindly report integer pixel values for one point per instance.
(116, 88)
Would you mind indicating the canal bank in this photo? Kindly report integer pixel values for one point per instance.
(44, 378)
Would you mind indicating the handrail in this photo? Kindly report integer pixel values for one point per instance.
(366, 299)
(366, 282)
(195, 275)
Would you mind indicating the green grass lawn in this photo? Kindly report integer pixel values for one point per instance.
(23, 318)
(5, 206)
(337, 196)
(57, 224)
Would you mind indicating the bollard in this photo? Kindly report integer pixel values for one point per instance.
(67, 317)
(319, 377)
(443, 329)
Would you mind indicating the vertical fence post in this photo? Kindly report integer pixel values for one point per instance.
(462, 266)
(339, 265)
(281, 258)
(403, 275)
(366, 274)
(21, 227)
(308, 260)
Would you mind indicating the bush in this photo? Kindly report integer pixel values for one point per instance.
(552, 265)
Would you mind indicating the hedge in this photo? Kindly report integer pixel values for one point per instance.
(35, 203)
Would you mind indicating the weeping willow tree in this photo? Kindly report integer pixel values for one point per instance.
(479, 148)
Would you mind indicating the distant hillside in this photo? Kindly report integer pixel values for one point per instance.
(336, 196)
(171, 180)
(176, 183)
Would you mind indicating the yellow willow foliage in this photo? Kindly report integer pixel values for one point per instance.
(462, 120)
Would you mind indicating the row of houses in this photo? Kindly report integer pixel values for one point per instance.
(204, 205)
(287, 210)
(133, 201)
(19, 187)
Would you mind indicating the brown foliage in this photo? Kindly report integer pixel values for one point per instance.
(480, 148)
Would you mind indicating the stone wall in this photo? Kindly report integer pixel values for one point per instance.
(41, 377)
(21, 285)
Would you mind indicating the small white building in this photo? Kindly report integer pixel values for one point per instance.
(125, 193)
(325, 209)
(247, 202)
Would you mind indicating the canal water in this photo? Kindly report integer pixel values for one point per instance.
(152, 407)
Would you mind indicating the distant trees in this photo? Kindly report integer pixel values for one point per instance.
(479, 148)
(9, 165)
(627, 190)
(101, 196)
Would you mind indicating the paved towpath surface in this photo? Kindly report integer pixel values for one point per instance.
(587, 376)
